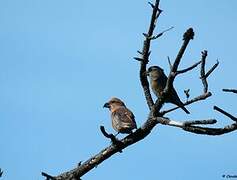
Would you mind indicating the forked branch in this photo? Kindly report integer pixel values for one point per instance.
(194, 126)
(140, 133)
(144, 55)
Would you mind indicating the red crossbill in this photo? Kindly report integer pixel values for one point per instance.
(123, 120)
(158, 82)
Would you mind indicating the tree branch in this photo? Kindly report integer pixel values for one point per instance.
(203, 122)
(144, 59)
(211, 131)
(196, 99)
(1, 172)
(188, 35)
(109, 151)
(139, 133)
(225, 113)
(203, 75)
(212, 69)
(160, 34)
(167, 121)
(170, 65)
(230, 90)
(188, 126)
(189, 68)
(113, 139)
(202, 72)
(48, 177)
(151, 121)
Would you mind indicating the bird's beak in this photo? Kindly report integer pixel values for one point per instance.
(106, 105)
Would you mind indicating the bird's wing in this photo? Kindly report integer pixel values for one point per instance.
(124, 116)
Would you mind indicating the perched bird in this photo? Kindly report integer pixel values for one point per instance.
(158, 82)
(123, 120)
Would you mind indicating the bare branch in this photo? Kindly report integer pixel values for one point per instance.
(151, 122)
(203, 75)
(138, 59)
(160, 34)
(230, 90)
(146, 52)
(152, 5)
(79, 164)
(198, 129)
(1, 172)
(189, 68)
(110, 136)
(113, 139)
(225, 113)
(212, 69)
(196, 99)
(48, 177)
(211, 131)
(188, 35)
(170, 65)
(166, 121)
(139, 52)
(109, 151)
(203, 122)
(202, 71)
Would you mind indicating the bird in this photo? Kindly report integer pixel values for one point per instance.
(158, 81)
(123, 120)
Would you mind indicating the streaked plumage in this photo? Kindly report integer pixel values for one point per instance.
(158, 82)
(123, 120)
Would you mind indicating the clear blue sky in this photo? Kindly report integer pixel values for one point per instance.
(60, 61)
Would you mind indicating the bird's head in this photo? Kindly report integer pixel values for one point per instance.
(113, 103)
(154, 72)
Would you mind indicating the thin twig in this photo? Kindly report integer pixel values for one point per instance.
(48, 177)
(138, 59)
(230, 90)
(170, 65)
(212, 69)
(202, 71)
(79, 164)
(189, 68)
(139, 52)
(160, 34)
(225, 113)
(196, 99)
(152, 5)
(113, 139)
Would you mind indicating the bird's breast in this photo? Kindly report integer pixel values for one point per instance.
(157, 88)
